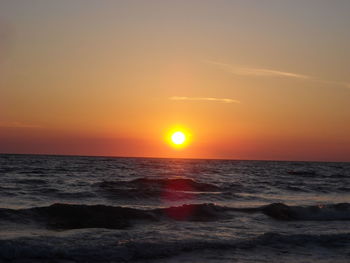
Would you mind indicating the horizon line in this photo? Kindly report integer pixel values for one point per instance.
(180, 158)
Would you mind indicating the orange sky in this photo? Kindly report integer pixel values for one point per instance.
(248, 79)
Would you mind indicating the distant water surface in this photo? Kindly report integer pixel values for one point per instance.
(101, 209)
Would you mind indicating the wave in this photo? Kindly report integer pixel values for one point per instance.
(182, 188)
(331, 212)
(70, 216)
(108, 247)
(157, 188)
(73, 216)
(175, 184)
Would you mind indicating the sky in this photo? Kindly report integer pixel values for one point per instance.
(265, 80)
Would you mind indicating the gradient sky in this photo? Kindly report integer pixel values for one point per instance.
(248, 79)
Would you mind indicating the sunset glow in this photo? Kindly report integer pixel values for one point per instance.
(247, 89)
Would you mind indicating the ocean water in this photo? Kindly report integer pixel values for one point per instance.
(100, 209)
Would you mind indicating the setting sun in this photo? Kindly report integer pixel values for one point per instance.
(178, 138)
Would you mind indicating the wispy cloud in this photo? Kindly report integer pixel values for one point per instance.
(269, 73)
(261, 72)
(16, 124)
(222, 100)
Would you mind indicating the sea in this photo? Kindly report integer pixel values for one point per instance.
(69, 209)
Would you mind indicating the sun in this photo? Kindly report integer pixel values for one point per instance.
(178, 138)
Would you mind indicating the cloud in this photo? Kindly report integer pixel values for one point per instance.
(222, 100)
(269, 73)
(16, 124)
(261, 72)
